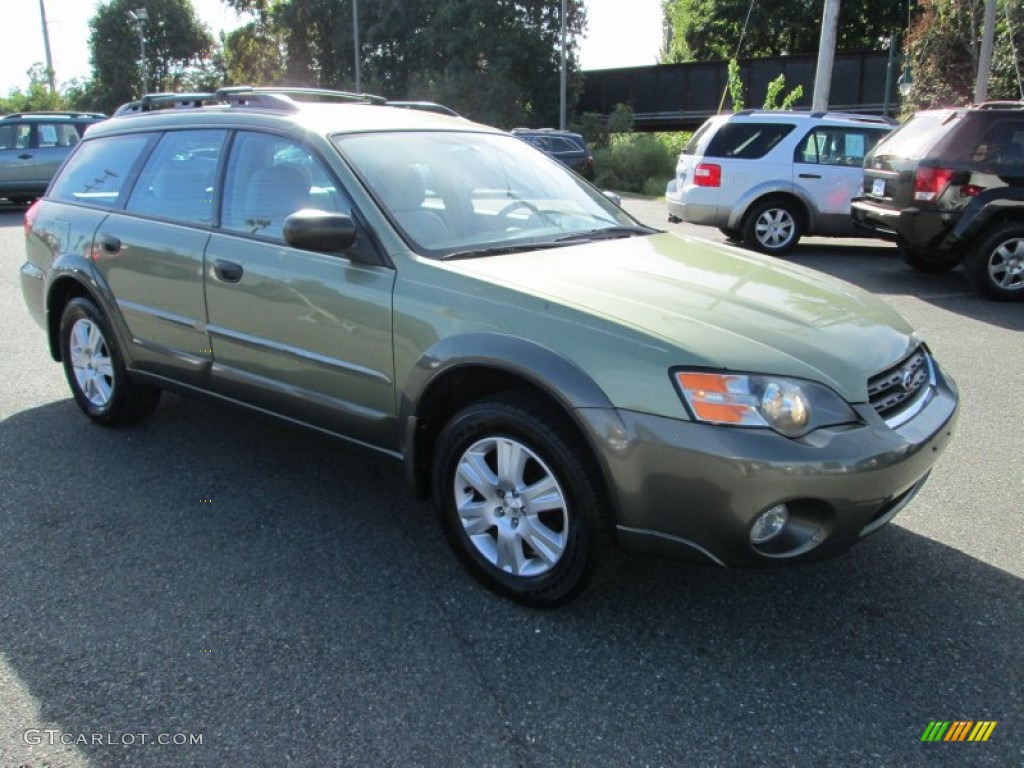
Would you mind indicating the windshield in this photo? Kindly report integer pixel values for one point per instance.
(455, 194)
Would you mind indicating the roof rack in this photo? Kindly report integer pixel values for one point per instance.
(282, 98)
(63, 113)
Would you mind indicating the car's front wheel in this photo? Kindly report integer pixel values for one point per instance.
(773, 227)
(519, 500)
(995, 266)
(95, 369)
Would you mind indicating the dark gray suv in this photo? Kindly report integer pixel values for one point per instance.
(32, 147)
(948, 187)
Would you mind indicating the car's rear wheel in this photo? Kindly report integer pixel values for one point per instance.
(519, 500)
(925, 261)
(995, 266)
(732, 234)
(95, 369)
(773, 226)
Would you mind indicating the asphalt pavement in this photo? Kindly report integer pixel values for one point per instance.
(212, 589)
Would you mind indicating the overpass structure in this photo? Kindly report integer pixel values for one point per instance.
(671, 97)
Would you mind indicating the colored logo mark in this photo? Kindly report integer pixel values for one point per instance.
(959, 730)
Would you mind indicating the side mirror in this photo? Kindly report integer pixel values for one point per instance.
(612, 196)
(313, 230)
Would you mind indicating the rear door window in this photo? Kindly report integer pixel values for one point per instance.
(747, 141)
(827, 145)
(177, 181)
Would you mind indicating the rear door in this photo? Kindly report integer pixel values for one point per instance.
(151, 255)
(52, 143)
(828, 170)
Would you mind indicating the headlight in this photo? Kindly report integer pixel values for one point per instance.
(792, 407)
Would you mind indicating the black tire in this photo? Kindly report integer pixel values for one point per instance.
(549, 556)
(94, 367)
(773, 226)
(732, 235)
(924, 261)
(995, 265)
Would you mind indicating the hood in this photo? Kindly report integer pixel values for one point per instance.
(717, 306)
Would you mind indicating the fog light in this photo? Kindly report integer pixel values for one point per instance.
(769, 524)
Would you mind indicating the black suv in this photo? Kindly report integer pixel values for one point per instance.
(570, 149)
(32, 147)
(948, 186)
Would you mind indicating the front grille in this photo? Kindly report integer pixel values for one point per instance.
(896, 389)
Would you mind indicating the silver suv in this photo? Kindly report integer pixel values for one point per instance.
(768, 178)
(32, 147)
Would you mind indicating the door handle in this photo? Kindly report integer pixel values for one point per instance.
(810, 175)
(110, 244)
(227, 271)
(25, 156)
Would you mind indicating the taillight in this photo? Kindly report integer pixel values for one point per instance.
(707, 175)
(970, 190)
(929, 183)
(30, 217)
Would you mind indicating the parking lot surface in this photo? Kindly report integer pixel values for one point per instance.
(212, 589)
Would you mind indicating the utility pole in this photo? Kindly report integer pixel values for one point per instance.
(826, 54)
(355, 34)
(985, 57)
(50, 75)
(561, 113)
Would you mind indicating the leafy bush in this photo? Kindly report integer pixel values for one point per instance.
(634, 163)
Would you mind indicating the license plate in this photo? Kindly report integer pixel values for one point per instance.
(878, 188)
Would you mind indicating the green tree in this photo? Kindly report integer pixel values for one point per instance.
(38, 97)
(705, 30)
(254, 55)
(943, 48)
(497, 62)
(177, 46)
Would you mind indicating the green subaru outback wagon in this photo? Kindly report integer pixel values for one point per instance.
(559, 378)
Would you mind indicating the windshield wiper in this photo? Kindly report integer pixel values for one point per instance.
(499, 250)
(608, 233)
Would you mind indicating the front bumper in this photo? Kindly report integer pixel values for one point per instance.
(694, 490)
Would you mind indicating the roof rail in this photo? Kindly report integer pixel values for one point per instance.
(999, 105)
(267, 97)
(240, 91)
(424, 106)
(57, 113)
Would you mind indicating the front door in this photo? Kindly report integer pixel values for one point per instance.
(305, 335)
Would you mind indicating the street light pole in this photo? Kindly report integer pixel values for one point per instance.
(139, 17)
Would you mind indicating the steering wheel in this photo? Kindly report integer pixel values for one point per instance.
(533, 209)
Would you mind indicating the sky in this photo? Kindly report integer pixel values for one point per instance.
(621, 33)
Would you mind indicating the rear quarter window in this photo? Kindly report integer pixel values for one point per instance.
(747, 141)
(99, 171)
